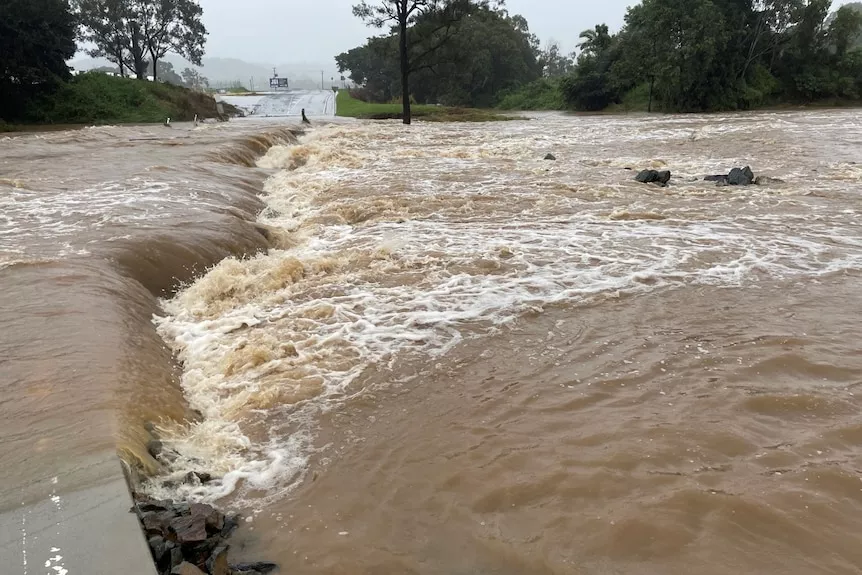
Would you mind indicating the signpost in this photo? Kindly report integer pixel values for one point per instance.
(276, 83)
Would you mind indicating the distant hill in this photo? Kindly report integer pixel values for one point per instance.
(223, 72)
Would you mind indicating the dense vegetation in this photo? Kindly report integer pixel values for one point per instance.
(38, 37)
(95, 98)
(351, 107)
(671, 55)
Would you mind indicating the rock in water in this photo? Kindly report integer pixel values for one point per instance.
(646, 176)
(550, 157)
(653, 176)
(190, 529)
(186, 568)
(715, 178)
(213, 520)
(740, 177)
(261, 567)
(764, 181)
(217, 563)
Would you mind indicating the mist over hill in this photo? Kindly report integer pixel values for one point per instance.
(224, 72)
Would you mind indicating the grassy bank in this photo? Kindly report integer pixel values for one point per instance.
(95, 98)
(350, 107)
(539, 95)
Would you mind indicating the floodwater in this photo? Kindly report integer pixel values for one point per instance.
(435, 352)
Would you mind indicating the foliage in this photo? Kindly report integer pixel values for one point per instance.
(702, 55)
(349, 106)
(422, 27)
(37, 37)
(134, 34)
(553, 63)
(195, 80)
(487, 53)
(543, 94)
(94, 97)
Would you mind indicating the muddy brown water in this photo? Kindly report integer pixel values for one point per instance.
(429, 351)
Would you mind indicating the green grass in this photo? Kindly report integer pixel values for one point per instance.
(95, 98)
(539, 95)
(349, 107)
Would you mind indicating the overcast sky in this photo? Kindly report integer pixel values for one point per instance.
(317, 30)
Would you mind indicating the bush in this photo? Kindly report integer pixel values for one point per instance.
(98, 98)
(588, 92)
(542, 94)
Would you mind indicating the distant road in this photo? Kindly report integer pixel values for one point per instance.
(288, 103)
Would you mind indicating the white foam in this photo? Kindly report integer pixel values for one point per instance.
(408, 242)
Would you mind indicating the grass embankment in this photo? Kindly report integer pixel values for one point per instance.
(95, 98)
(539, 95)
(350, 107)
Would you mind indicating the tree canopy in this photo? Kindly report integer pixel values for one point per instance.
(486, 52)
(37, 37)
(422, 28)
(700, 55)
(136, 34)
(670, 55)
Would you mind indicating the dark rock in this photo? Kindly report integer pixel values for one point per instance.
(764, 181)
(160, 550)
(646, 176)
(154, 448)
(715, 178)
(146, 505)
(653, 176)
(186, 568)
(217, 562)
(550, 157)
(189, 529)
(176, 556)
(213, 519)
(197, 478)
(156, 522)
(199, 553)
(261, 567)
(740, 177)
(231, 522)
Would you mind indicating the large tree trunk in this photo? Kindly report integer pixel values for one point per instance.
(651, 84)
(155, 66)
(138, 52)
(405, 68)
(120, 62)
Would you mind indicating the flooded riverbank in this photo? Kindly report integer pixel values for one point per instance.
(455, 356)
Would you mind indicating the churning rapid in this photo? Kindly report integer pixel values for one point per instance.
(457, 357)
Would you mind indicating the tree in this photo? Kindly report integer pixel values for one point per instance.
(166, 73)
(113, 28)
(595, 41)
(554, 63)
(137, 34)
(170, 26)
(194, 80)
(439, 15)
(104, 25)
(37, 37)
(488, 53)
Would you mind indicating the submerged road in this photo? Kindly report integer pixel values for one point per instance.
(320, 103)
